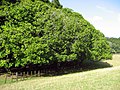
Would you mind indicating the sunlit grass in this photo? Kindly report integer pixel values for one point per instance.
(115, 61)
(99, 79)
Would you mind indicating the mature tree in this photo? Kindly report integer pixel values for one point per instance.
(36, 33)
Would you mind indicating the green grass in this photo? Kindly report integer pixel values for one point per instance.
(98, 79)
(2, 79)
(115, 61)
(101, 79)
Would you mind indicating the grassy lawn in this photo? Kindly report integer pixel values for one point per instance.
(115, 61)
(98, 79)
(2, 79)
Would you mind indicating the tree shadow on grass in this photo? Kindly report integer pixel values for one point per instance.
(63, 68)
(90, 65)
(57, 70)
(85, 66)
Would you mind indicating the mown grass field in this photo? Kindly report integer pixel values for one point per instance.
(115, 61)
(100, 78)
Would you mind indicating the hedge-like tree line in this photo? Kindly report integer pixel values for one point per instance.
(39, 32)
(114, 44)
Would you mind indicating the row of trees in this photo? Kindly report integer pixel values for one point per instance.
(114, 44)
(36, 32)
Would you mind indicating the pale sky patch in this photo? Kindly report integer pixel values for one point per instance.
(108, 27)
(119, 17)
(96, 18)
(104, 9)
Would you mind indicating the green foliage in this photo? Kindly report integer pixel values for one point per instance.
(34, 32)
(56, 3)
(47, 1)
(114, 44)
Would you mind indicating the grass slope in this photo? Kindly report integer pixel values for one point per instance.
(99, 79)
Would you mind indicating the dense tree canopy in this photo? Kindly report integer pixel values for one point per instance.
(35, 32)
(114, 44)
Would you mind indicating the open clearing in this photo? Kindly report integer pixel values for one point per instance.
(99, 79)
